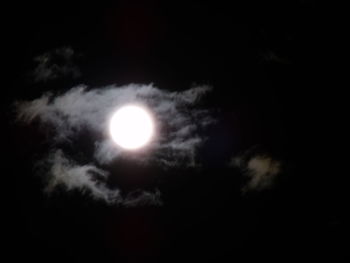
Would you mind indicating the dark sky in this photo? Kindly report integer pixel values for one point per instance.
(272, 68)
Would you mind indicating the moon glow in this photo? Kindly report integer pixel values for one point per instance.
(131, 127)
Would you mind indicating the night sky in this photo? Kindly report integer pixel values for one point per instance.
(268, 182)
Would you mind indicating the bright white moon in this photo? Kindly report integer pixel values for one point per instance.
(131, 127)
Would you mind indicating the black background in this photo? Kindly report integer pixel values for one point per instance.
(274, 70)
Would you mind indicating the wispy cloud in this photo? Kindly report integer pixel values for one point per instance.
(65, 172)
(81, 109)
(55, 64)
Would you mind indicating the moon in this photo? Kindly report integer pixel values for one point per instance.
(131, 127)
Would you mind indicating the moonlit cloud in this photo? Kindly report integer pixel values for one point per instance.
(260, 170)
(81, 109)
(64, 172)
(55, 64)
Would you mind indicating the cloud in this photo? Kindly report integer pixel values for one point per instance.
(55, 64)
(64, 172)
(273, 57)
(260, 170)
(81, 109)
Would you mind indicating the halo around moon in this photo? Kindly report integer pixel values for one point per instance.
(131, 127)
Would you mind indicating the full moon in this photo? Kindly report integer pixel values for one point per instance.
(131, 127)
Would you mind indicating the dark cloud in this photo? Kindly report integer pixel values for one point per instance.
(55, 64)
(80, 109)
(273, 57)
(259, 168)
